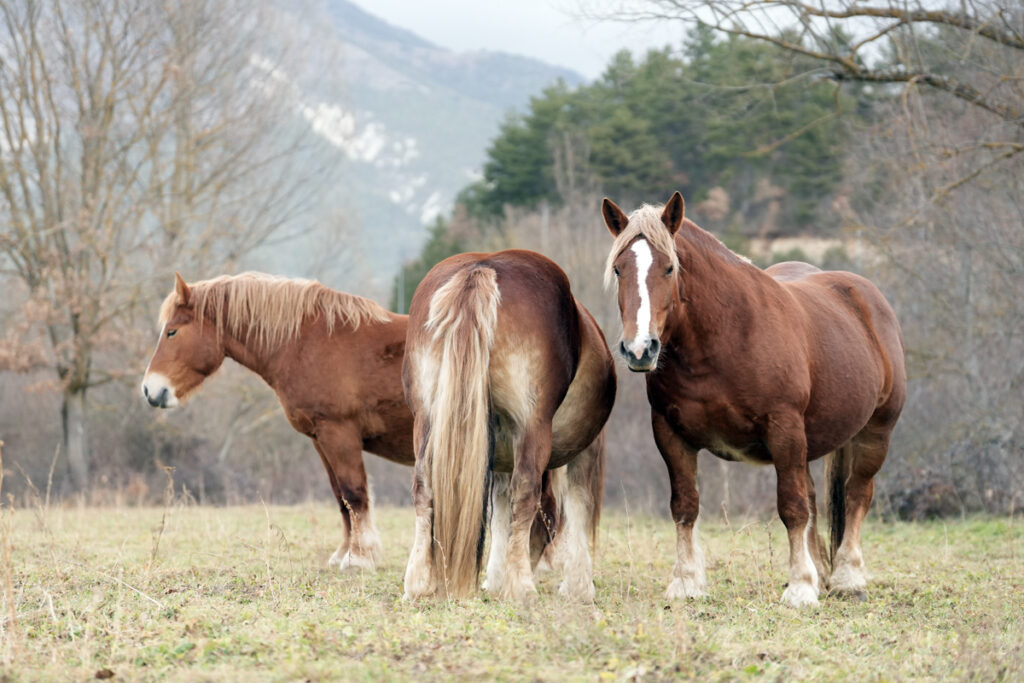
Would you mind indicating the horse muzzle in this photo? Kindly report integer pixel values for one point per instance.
(157, 401)
(641, 358)
(157, 392)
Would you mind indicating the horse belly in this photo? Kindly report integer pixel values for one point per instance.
(752, 454)
(585, 408)
(718, 426)
(844, 395)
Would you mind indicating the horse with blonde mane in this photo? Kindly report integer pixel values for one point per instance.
(508, 376)
(333, 359)
(780, 366)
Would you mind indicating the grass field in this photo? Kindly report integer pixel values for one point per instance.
(199, 593)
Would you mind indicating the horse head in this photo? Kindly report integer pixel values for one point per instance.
(644, 265)
(187, 351)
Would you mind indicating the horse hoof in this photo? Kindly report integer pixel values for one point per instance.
(800, 595)
(524, 593)
(418, 592)
(847, 580)
(682, 589)
(419, 581)
(857, 595)
(356, 563)
(580, 591)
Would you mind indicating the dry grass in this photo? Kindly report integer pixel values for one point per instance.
(200, 593)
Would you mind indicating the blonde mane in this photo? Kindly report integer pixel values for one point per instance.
(271, 309)
(645, 222)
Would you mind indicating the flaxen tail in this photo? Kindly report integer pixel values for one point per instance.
(837, 471)
(462, 319)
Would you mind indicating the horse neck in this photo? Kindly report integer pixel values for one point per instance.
(246, 350)
(247, 353)
(270, 364)
(713, 291)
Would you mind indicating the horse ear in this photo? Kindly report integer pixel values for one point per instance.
(613, 217)
(672, 216)
(182, 290)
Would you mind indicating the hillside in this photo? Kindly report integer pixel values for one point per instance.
(413, 126)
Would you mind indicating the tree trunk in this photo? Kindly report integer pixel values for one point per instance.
(75, 441)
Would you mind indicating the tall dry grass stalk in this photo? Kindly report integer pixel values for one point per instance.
(10, 627)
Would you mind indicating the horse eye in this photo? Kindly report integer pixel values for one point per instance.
(615, 269)
(670, 270)
(171, 333)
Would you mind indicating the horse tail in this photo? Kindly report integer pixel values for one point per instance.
(837, 470)
(462, 319)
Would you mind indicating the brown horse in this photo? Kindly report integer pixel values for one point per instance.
(779, 366)
(333, 359)
(507, 375)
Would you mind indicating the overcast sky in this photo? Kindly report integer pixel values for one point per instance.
(544, 29)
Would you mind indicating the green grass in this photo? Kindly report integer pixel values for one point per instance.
(199, 593)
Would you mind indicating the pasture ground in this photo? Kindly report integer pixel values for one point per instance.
(244, 593)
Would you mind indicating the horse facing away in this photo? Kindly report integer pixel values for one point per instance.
(507, 375)
(333, 359)
(779, 366)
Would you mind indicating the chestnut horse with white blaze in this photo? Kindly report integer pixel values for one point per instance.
(778, 366)
(333, 359)
(508, 376)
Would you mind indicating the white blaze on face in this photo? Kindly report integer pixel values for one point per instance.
(644, 259)
(154, 382)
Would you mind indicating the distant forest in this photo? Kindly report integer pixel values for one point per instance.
(753, 137)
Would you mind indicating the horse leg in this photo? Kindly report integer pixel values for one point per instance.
(545, 523)
(532, 453)
(869, 451)
(500, 520)
(420, 579)
(342, 447)
(541, 543)
(818, 552)
(580, 503)
(342, 549)
(554, 552)
(688, 578)
(788, 446)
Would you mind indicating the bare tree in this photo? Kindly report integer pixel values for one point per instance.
(953, 267)
(135, 135)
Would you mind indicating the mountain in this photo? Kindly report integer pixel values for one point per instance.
(413, 125)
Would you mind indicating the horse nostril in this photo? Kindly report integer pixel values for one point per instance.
(655, 347)
(145, 391)
(622, 348)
